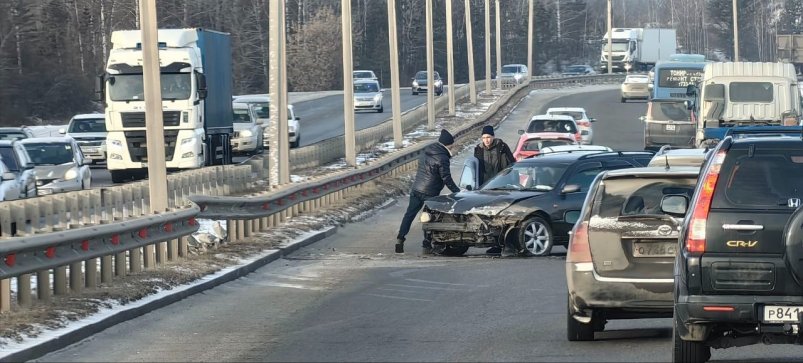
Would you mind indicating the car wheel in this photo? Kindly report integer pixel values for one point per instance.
(575, 330)
(415, 93)
(688, 351)
(448, 250)
(535, 235)
(381, 109)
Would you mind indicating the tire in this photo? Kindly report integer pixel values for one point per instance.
(535, 235)
(688, 351)
(623, 100)
(415, 93)
(575, 330)
(381, 109)
(119, 176)
(447, 250)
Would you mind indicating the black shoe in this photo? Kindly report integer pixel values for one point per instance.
(399, 245)
(495, 250)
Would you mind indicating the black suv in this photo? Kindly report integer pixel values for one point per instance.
(531, 205)
(739, 272)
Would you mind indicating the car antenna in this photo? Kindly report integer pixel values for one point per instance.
(666, 162)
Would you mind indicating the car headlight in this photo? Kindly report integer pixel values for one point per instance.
(378, 97)
(291, 128)
(415, 84)
(426, 217)
(438, 83)
(246, 133)
(517, 77)
(187, 140)
(71, 174)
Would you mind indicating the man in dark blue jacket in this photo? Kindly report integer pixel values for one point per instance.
(432, 175)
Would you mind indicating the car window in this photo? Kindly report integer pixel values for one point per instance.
(552, 126)
(87, 125)
(366, 88)
(666, 111)
(421, 75)
(510, 69)
(7, 154)
(574, 114)
(538, 144)
(584, 176)
(363, 75)
(750, 91)
(767, 179)
(241, 115)
(262, 110)
(13, 135)
(639, 196)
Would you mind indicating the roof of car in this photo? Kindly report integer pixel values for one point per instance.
(88, 115)
(7, 142)
(552, 117)
(20, 128)
(575, 148)
(362, 70)
(46, 140)
(251, 98)
(571, 109)
(654, 171)
(678, 157)
(673, 100)
(571, 157)
(365, 81)
(239, 105)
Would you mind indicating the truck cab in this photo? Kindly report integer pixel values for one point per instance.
(738, 94)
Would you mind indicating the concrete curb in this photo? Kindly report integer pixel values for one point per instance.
(87, 331)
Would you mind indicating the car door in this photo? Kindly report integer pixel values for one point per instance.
(27, 176)
(9, 189)
(582, 175)
(469, 178)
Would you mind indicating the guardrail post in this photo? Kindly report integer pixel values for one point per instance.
(240, 229)
(136, 194)
(183, 246)
(106, 269)
(135, 259)
(231, 230)
(18, 216)
(76, 277)
(5, 221)
(24, 290)
(5, 295)
(60, 280)
(275, 219)
(127, 201)
(73, 207)
(60, 202)
(120, 265)
(161, 253)
(172, 250)
(91, 273)
(97, 205)
(43, 285)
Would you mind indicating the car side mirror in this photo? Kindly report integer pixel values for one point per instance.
(99, 86)
(521, 132)
(691, 90)
(675, 204)
(571, 188)
(571, 216)
(62, 131)
(298, 118)
(643, 118)
(9, 176)
(592, 120)
(469, 188)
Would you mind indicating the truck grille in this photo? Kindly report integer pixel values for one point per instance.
(138, 146)
(137, 119)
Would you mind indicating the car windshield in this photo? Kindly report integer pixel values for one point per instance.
(527, 176)
(128, 87)
(8, 157)
(261, 109)
(616, 46)
(552, 126)
(422, 75)
(640, 196)
(577, 115)
(760, 177)
(87, 125)
(12, 135)
(538, 144)
(363, 75)
(576, 69)
(666, 111)
(510, 69)
(241, 115)
(50, 154)
(366, 88)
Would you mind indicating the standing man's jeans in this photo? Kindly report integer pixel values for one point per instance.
(416, 203)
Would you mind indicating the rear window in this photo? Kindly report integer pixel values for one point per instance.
(552, 126)
(574, 114)
(669, 111)
(767, 179)
(8, 157)
(639, 196)
(750, 91)
(12, 135)
(538, 144)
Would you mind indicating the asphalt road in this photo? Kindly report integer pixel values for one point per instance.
(321, 118)
(350, 298)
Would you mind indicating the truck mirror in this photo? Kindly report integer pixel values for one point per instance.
(201, 85)
(99, 83)
(691, 90)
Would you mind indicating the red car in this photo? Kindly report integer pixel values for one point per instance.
(530, 144)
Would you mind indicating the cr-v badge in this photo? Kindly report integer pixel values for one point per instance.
(740, 244)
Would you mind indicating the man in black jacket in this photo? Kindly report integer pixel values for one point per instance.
(493, 156)
(432, 174)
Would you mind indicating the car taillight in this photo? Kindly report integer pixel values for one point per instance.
(584, 123)
(578, 137)
(695, 242)
(579, 249)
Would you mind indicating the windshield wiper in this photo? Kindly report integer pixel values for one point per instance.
(506, 187)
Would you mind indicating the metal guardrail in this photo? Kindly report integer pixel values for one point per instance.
(77, 229)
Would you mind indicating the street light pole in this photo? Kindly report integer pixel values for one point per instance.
(430, 70)
(470, 50)
(283, 126)
(610, 38)
(348, 85)
(450, 57)
(530, 41)
(275, 89)
(395, 92)
(498, 46)
(488, 80)
(735, 32)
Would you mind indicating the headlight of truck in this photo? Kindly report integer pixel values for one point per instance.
(116, 143)
(246, 133)
(71, 174)
(186, 141)
(116, 157)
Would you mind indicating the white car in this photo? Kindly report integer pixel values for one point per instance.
(9, 188)
(247, 132)
(575, 149)
(516, 73)
(636, 86)
(364, 74)
(59, 165)
(260, 105)
(580, 117)
(89, 131)
(16, 159)
(368, 96)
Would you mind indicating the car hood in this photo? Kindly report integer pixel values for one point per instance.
(51, 171)
(88, 136)
(482, 202)
(240, 126)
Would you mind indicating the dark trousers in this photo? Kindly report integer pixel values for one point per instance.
(416, 203)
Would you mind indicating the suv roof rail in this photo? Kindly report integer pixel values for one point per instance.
(766, 131)
(619, 153)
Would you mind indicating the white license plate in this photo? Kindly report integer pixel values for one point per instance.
(670, 127)
(781, 314)
(655, 249)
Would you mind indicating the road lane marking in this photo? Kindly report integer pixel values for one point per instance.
(398, 297)
(293, 286)
(399, 290)
(427, 287)
(443, 283)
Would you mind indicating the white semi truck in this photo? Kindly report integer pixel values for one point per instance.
(196, 84)
(637, 49)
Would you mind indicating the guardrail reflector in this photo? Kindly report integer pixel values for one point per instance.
(115, 239)
(85, 245)
(143, 233)
(50, 252)
(168, 227)
(192, 221)
(266, 205)
(11, 259)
